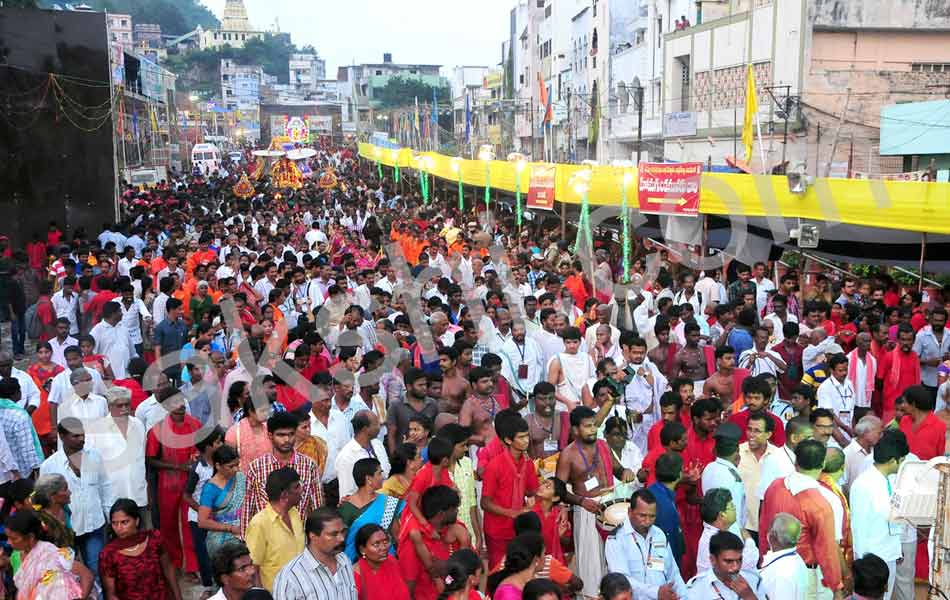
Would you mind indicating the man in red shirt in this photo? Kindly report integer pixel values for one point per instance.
(578, 284)
(799, 495)
(672, 439)
(420, 545)
(507, 480)
(700, 451)
(757, 393)
(926, 433)
(898, 370)
(93, 308)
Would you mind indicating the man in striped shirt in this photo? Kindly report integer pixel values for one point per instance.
(322, 571)
(281, 427)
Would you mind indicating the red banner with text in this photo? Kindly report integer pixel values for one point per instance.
(670, 188)
(541, 187)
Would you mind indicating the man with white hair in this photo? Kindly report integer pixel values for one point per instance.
(857, 454)
(784, 573)
(120, 439)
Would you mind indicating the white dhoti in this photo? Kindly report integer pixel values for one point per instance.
(588, 552)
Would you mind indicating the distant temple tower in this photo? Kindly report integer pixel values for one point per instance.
(235, 17)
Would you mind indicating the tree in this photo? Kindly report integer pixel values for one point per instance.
(18, 4)
(403, 91)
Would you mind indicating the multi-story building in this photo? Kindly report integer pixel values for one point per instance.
(120, 30)
(360, 84)
(306, 70)
(241, 96)
(824, 68)
(466, 84)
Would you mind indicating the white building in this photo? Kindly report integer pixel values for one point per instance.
(241, 94)
(306, 70)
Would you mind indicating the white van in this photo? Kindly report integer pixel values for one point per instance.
(206, 157)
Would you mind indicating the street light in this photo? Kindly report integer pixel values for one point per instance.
(638, 99)
(520, 163)
(456, 165)
(625, 214)
(486, 154)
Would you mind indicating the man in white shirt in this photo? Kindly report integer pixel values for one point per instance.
(328, 424)
(62, 341)
(120, 440)
(719, 512)
(639, 550)
(752, 454)
(784, 573)
(91, 488)
(722, 472)
(759, 359)
(725, 579)
(837, 395)
(82, 404)
(857, 454)
(29, 393)
(862, 370)
(65, 303)
(870, 500)
(134, 317)
(112, 339)
(782, 463)
(365, 444)
(61, 389)
(548, 340)
(521, 362)
(315, 235)
(763, 285)
(125, 264)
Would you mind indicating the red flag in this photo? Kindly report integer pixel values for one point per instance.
(548, 114)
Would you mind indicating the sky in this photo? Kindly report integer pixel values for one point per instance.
(442, 32)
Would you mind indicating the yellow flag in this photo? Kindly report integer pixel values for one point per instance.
(751, 109)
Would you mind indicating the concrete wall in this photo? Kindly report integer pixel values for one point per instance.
(881, 14)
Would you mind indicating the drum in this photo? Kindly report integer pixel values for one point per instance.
(613, 514)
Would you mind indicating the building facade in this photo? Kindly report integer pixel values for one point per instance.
(235, 28)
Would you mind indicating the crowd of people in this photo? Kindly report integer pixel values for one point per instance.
(353, 392)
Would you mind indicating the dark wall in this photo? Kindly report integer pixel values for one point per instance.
(56, 147)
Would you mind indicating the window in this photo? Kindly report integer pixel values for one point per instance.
(595, 7)
(378, 72)
(593, 62)
(125, 23)
(225, 77)
(521, 79)
(930, 67)
(243, 36)
(413, 71)
(659, 32)
(547, 11)
(684, 88)
(638, 37)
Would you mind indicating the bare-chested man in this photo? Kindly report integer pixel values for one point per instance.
(590, 468)
(665, 352)
(690, 362)
(455, 388)
(480, 407)
(722, 383)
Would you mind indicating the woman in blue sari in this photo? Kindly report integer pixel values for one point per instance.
(368, 506)
(219, 511)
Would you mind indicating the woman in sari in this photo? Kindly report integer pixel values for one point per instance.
(46, 572)
(219, 510)
(135, 565)
(249, 435)
(42, 371)
(403, 466)
(377, 573)
(367, 506)
(51, 499)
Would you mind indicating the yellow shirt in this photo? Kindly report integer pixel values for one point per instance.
(271, 544)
